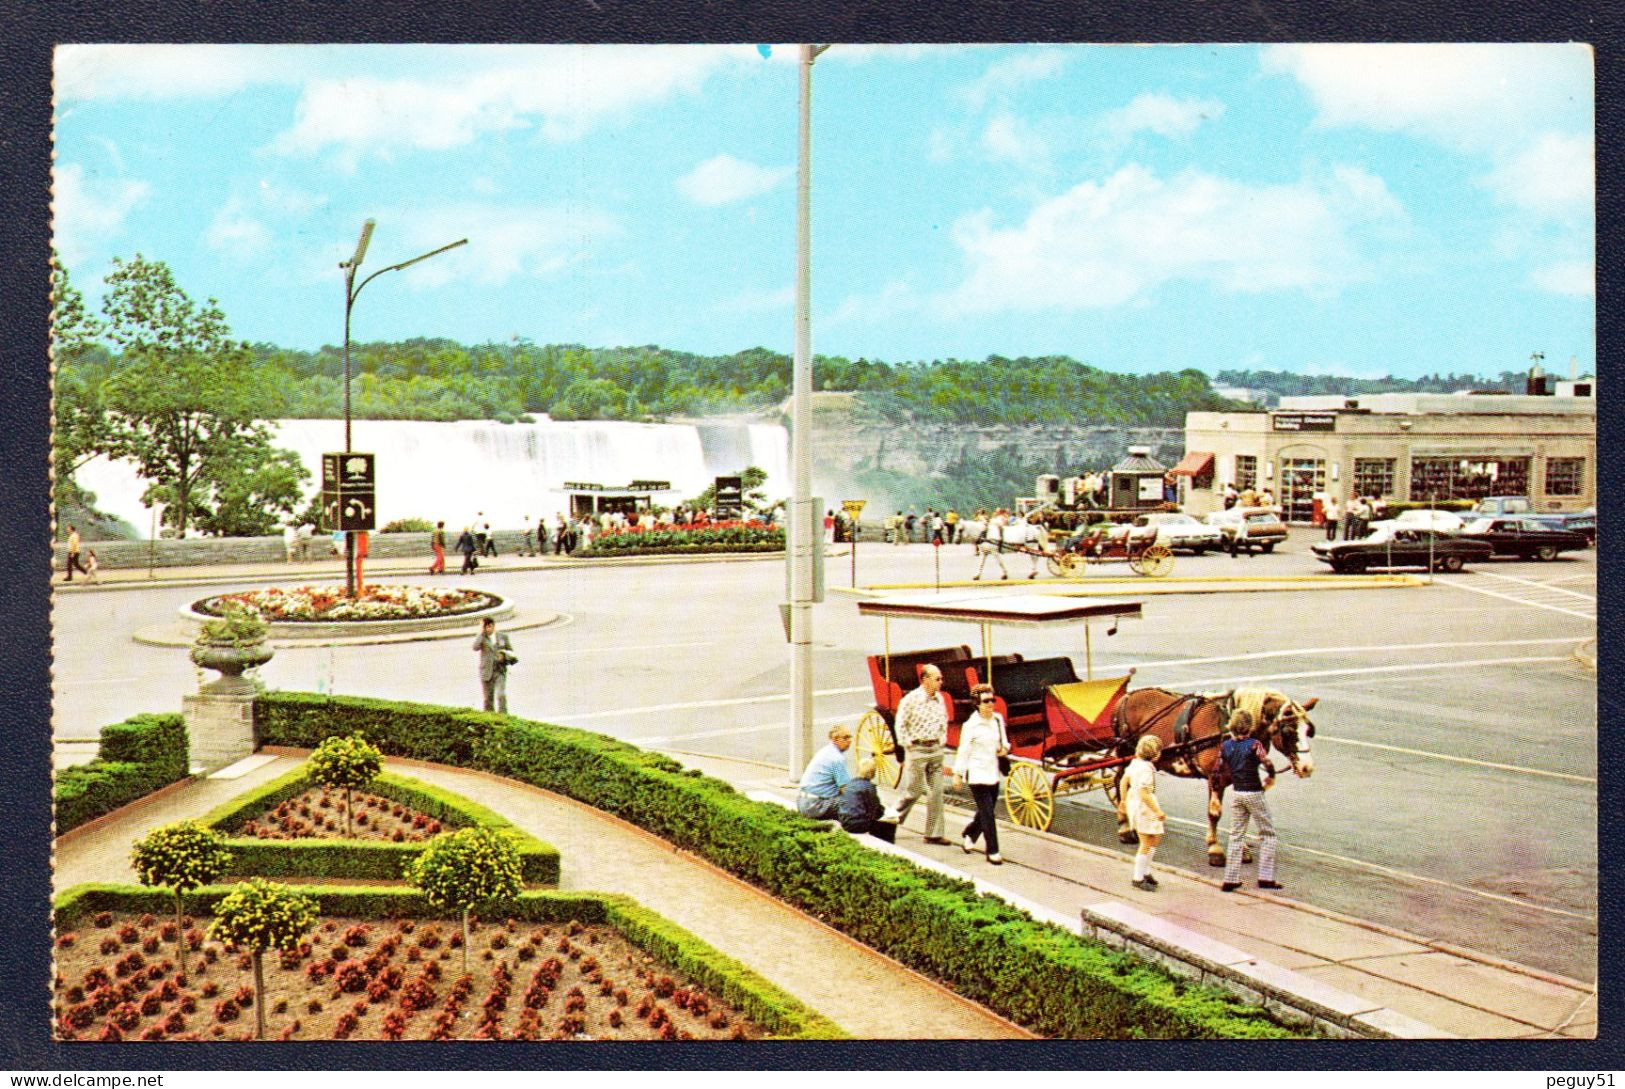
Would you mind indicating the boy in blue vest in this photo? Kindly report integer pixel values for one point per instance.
(1244, 757)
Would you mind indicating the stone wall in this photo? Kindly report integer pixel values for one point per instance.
(205, 551)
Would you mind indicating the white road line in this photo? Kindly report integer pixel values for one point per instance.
(1536, 583)
(1591, 616)
(1389, 871)
(696, 705)
(1414, 667)
(736, 731)
(1378, 649)
(576, 652)
(1456, 759)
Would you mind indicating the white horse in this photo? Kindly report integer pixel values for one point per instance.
(999, 536)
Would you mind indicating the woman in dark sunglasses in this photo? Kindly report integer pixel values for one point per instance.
(982, 741)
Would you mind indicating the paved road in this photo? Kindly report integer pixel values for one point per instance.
(1455, 794)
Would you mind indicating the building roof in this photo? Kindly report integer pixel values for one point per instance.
(1139, 463)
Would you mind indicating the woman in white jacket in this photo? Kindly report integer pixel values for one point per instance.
(982, 741)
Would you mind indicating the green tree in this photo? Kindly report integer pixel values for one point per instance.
(180, 857)
(182, 402)
(257, 498)
(259, 916)
(80, 432)
(349, 763)
(463, 869)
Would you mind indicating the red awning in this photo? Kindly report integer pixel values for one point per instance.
(1193, 464)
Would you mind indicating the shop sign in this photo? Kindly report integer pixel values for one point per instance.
(1303, 421)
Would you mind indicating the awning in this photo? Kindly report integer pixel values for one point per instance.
(1195, 463)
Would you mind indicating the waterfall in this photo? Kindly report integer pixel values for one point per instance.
(472, 470)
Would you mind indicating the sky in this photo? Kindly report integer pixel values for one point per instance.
(1330, 209)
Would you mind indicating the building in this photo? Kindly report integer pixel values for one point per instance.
(1404, 447)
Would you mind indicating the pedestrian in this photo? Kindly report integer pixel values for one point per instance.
(982, 744)
(951, 521)
(91, 566)
(437, 541)
(527, 547)
(1354, 520)
(1230, 496)
(496, 655)
(1144, 812)
(467, 546)
(860, 809)
(825, 775)
(290, 541)
(922, 726)
(561, 535)
(1238, 538)
(829, 527)
(937, 527)
(541, 536)
(896, 527)
(1246, 761)
(1266, 498)
(73, 563)
(336, 542)
(908, 525)
(488, 542)
(1332, 515)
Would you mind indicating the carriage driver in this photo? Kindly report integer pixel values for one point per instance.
(922, 726)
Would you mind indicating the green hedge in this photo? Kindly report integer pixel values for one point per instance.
(136, 757)
(1040, 975)
(367, 859)
(775, 1010)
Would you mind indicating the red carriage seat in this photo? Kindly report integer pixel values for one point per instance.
(1079, 715)
(892, 678)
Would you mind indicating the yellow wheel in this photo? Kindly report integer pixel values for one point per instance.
(1073, 564)
(1157, 561)
(1057, 564)
(874, 742)
(1028, 797)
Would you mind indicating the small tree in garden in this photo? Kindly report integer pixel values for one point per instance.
(259, 916)
(463, 869)
(181, 857)
(346, 762)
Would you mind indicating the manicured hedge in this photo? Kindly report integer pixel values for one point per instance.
(368, 859)
(779, 1012)
(135, 758)
(1040, 975)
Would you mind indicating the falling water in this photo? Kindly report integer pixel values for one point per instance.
(501, 473)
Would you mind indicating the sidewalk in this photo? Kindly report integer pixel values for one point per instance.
(1406, 984)
(867, 994)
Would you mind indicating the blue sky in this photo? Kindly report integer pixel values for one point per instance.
(1351, 209)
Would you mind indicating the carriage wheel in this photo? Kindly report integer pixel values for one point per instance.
(1028, 797)
(1157, 561)
(1073, 564)
(875, 742)
(1057, 564)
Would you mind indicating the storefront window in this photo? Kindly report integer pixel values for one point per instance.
(1565, 476)
(1467, 477)
(1374, 476)
(1301, 479)
(1246, 472)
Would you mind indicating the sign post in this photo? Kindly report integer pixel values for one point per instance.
(853, 508)
(349, 501)
(729, 504)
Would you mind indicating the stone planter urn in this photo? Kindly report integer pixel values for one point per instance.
(230, 661)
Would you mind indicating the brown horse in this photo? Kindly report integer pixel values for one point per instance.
(1191, 727)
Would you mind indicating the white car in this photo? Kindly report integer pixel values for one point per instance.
(1440, 521)
(1183, 531)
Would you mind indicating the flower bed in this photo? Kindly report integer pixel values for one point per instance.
(716, 537)
(277, 852)
(324, 604)
(382, 966)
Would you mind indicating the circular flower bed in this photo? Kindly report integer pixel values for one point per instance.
(323, 604)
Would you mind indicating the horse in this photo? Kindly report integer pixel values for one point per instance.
(996, 537)
(1191, 727)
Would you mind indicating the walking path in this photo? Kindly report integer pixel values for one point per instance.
(867, 994)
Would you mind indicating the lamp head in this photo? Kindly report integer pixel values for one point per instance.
(361, 244)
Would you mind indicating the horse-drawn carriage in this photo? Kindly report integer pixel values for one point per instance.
(1067, 557)
(1067, 734)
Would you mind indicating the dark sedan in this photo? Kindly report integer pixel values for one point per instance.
(1524, 537)
(1403, 548)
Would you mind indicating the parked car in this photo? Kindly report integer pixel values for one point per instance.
(1526, 537)
(1519, 506)
(1183, 531)
(1403, 548)
(1265, 529)
(1442, 521)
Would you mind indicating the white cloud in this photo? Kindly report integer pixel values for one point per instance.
(88, 212)
(1162, 114)
(561, 91)
(1011, 139)
(1554, 176)
(1111, 242)
(504, 241)
(236, 232)
(725, 179)
(1011, 74)
(1577, 278)
(1471, 97)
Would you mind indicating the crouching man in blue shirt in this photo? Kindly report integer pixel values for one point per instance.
(821, 783)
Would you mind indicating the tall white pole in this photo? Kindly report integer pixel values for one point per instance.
(801, 538)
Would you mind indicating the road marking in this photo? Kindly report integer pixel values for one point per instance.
(659, 708)
(1416, 667)
(736, 731)
(582, 651)
(1591, 616)
(1381, 649)
(1389, 871)
(1456, 759)
(1537, 583)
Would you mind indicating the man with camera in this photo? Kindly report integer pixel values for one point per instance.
(496, 655)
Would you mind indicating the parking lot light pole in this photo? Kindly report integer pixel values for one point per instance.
(352, 291)
(803, 537)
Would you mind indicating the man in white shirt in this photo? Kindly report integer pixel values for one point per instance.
(922, 727)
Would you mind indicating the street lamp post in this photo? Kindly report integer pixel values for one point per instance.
(804, 532)
(352, 291)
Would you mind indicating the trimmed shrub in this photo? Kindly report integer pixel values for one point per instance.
(136, 757)
(1040, 975)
